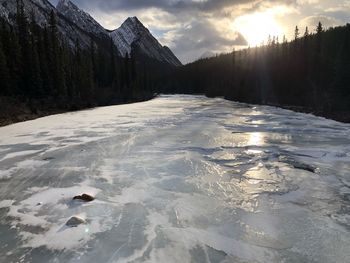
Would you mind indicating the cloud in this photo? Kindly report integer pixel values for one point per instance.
(201, 36)
(193, 27)
(167, 5)
(312, 21)
(307, 2)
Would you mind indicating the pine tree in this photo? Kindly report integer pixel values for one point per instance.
(26, 51)
(296, 33)
(285, 39)
(77, 70)
(46, 62)
(127, 75)
(319, 28)
(134, 77)
(93, 59)
(319, 31)
(133, 66)
(87, 84)
(4, 73)
(113, 68)
(55, 58)
(14, 61)
(35, 63)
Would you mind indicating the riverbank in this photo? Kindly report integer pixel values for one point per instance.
(341, 116)
(13, 110)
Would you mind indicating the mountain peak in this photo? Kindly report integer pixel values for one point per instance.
(132, 33)
(133, 19)
(135, 24)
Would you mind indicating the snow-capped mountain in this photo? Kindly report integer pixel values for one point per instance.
(133, 34)
(80, 18)
(75, 24)
(41, 10)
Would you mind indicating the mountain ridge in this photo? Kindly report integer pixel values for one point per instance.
(131, 34)
(41, 10)
(74, 25)
(79, 17)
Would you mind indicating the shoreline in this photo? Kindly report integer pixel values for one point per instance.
(16, 111)
(339, 116)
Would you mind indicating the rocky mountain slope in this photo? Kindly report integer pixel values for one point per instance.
(80, 18)
(133, 34)
(41, 10)
(75, 24)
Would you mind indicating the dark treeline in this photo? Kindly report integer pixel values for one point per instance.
(312, 73)
(38, 68)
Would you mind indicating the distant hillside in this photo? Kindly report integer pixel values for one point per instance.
(309, 74)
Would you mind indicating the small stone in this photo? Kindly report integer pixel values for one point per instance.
(306, 167)
(75, 221)
(38, 204)
(84, 197)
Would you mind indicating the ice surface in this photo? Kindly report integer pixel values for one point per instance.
(176, 179)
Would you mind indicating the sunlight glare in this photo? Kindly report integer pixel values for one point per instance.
(255, 139)
(257, 27)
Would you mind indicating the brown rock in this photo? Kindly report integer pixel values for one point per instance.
(75, 221)
(84, 197)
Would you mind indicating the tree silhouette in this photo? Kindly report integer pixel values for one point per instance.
(309, 73)
(296, 33)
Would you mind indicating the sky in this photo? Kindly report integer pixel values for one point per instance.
(192, 28)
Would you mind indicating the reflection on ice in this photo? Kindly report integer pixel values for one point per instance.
(255, 139)
(176, 179)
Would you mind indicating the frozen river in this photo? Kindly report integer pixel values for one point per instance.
(176, 179)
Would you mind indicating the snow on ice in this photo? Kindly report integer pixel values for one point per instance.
(176, 179)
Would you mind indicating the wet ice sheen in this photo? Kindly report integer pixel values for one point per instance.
(176, 179)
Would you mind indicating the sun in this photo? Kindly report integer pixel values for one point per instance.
(257, 27)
